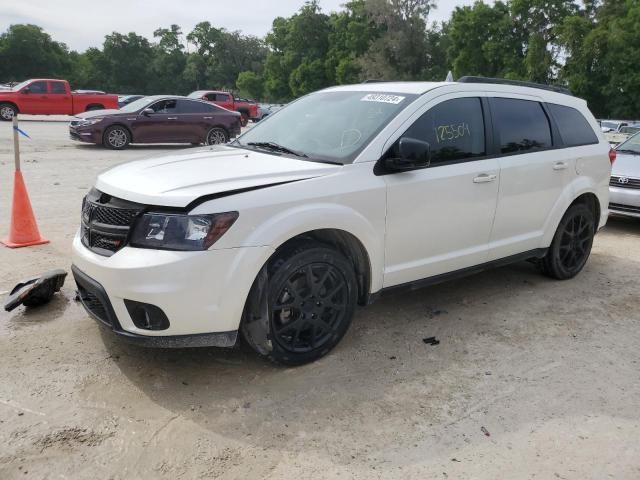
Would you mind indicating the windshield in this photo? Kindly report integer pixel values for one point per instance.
(20, 86)
(631, 145)
(329, 126)
(137, 105)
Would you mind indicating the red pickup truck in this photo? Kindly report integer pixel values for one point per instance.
(247, 108)
(50, 97)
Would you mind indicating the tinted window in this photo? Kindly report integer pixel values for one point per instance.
(186, 106)
(574, 128)
(57, 87)
(454, 129)
(38, 87)
(521, 125)
(211, 97)
(221, 97)
(165, 106)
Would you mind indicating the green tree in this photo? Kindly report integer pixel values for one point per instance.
(401, 51)
(298, 47)
(250, 84)
(26, 51)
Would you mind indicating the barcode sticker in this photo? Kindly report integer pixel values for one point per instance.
(382, 98)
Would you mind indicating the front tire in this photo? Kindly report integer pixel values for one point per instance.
(312, 295)
(7, 112)
(571, 245)
(116, 138)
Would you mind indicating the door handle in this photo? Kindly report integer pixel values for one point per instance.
(207, 118)
(485, 178)
(560, 166)
(172, 118)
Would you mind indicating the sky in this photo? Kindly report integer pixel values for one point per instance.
(84, 23)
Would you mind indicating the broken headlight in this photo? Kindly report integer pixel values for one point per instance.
(170, 231)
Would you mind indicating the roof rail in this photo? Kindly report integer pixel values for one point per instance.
(519, 83)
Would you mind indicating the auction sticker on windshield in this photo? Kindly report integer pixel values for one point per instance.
(383, 98)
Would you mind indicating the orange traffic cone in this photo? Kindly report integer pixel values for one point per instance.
(23, 231)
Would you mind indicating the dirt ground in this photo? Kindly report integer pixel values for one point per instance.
(549, 370)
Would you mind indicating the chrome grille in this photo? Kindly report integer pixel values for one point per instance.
(624, 182)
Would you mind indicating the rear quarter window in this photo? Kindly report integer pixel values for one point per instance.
(574, 128)
(522, 125)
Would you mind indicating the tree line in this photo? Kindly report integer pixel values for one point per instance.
(591, 46)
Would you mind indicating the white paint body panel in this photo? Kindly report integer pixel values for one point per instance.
(412, 225)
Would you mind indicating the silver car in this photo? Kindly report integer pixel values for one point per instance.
(624, 187)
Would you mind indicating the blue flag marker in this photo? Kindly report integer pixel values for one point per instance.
(22, 132)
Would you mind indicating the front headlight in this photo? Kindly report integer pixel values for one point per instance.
(92, 121)
(169, 231)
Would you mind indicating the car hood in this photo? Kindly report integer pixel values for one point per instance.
(626, 165)
(101, 113)
(177, 180)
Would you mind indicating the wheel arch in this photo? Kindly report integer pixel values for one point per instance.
(582, 191)
(96, 106)
(13, 104)
(217, 125)
(348, 245)
(118, 125)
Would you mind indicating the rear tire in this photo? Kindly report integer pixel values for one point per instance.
(217, 136)
(571, 245)
(312, 294)
(244, 119)
(91, 108)
(7, 112)
(116, 137)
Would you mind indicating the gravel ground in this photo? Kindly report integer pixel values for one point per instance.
(532, 379)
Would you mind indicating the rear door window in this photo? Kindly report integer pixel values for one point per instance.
(574, 128)
(453, 128)
(222, 97)
(521, 125)
(57, 88)
(187, 106)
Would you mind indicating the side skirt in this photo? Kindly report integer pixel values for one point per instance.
(464, 272)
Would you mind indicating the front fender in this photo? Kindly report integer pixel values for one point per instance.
(294, 221)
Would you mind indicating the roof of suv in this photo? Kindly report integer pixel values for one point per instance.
(420, 88)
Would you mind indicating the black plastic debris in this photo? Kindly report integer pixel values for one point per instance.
(433, 341)
(36, 291)
(485, 431)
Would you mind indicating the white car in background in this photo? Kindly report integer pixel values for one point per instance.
(624, 190)
(345, 194)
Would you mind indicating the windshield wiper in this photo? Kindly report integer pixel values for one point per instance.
(277, 148)
(633, 152)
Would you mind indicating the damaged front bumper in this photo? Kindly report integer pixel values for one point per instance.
(96, 302)
(168, 298)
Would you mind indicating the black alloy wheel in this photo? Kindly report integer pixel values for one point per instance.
(312, 297)
(571, 245)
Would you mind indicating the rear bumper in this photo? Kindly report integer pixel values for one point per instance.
(96, 302)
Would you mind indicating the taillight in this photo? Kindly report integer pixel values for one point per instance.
(612, 155)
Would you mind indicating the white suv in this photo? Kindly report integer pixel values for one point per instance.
(341, 195)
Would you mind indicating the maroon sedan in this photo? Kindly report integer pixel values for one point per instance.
(157, 119)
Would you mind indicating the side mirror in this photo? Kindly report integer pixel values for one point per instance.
(26, 90)
(148, 111)
(412, 154)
